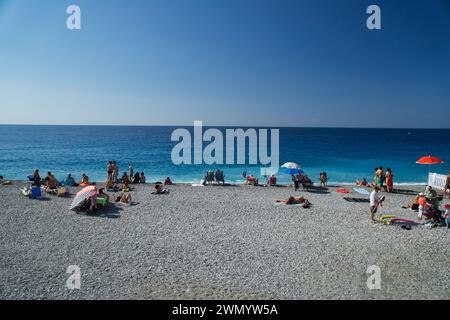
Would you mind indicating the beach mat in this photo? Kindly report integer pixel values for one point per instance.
(279, 204)
(359, 200)
(362, 191)
(342, 190)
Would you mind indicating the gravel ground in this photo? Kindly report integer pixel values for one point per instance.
(217, 243)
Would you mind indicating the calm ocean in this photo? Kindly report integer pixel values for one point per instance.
(345, 154)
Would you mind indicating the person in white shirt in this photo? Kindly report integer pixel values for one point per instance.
(375, 202)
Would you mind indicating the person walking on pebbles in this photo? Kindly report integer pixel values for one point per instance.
(375, 202)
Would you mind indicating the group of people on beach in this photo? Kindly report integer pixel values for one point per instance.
(214, 176)
(383, 180)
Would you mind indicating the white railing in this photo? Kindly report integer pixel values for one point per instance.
(437, 181)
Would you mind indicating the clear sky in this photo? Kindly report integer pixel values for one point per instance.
(226, 62)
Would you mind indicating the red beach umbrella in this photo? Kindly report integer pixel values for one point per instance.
(429, 160)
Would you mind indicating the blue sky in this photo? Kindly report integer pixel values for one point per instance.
(226, 62)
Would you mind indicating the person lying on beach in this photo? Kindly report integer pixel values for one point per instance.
(5, 182)
(362, 183)
(159, 189)
(70, 181)
(292, 200)
(168, 182)
(295, 200)
(84, 180)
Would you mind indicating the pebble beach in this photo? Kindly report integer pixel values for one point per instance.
(218, 242)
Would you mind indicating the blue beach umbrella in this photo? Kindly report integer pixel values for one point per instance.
(293, 171)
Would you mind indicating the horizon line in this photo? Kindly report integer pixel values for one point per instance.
(219, 126)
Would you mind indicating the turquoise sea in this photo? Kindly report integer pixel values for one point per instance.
(345, 154)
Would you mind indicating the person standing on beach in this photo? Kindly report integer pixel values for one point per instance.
(36, 178)
(447, 185)
(110, 170)
(375, 202)
(375, 178)
(130, 171)
(115, 172)
(380, 174)
(389, 180)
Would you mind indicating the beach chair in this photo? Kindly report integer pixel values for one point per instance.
(220, 178)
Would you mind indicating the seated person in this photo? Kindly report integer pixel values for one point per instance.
(168, 182)
(93, 207)
(306, 181)
(136, 178)
(362, 183)
(125, 182)
(125, 198)
(159, 189)
(142, 179)
(50, 182)
(70, 181)
(413, 204)
(84, 180)
(35, 178)
(251, 180)
(102, 194)
(272, 181)
(432, 197)
(219, 176)
(109, 184)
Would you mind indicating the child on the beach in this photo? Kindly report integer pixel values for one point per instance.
(422, 201)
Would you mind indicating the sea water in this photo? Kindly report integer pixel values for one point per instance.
(345, 154)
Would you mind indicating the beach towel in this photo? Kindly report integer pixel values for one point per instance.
(342, 190)
(356, 199)
(279, 204)
(362, 191)
(305, 205)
